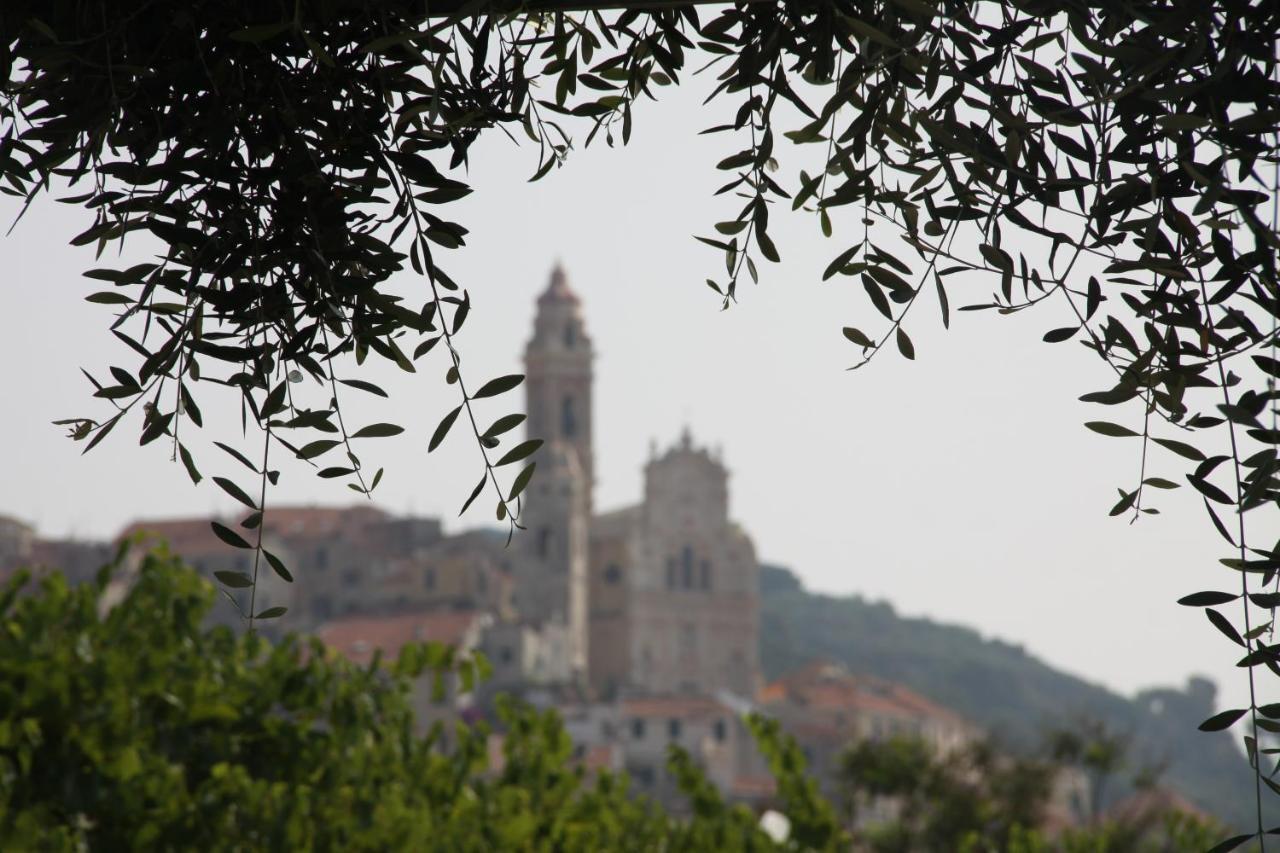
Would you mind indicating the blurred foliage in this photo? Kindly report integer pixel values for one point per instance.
(1117, 158)
(980, 799)
(136, 728)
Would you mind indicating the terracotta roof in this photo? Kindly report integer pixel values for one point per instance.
(314, 522)
(357, 637)
(823, 687)
(673, 706)
(186, 536)
(189, 536)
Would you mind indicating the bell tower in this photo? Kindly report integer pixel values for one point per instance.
(558, 375)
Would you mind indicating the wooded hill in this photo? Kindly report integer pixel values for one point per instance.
(1002, 688)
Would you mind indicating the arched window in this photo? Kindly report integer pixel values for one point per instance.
(568, 420)
(686, 564)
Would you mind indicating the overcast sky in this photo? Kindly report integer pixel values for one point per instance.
(961, 486)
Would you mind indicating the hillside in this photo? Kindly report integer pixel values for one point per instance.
(1001, 687)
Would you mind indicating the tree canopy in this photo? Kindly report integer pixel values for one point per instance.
(134, 727)
(1117, 157)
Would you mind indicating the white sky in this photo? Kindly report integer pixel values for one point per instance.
(961, 486)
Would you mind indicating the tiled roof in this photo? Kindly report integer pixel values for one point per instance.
(357, 637)
(191, 536)
(186, 536)
(314, 522)
(826, 687)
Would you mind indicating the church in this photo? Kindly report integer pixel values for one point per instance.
(656, 598)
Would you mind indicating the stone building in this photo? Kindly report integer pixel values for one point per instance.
(657, 598)
(674, 585)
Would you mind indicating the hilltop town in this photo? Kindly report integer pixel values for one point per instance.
(640, 624)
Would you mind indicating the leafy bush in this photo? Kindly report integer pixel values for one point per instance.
(136, 727)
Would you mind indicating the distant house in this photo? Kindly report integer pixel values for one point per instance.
(827, 708)
(635, 734)
(358, 638)
(361, 638)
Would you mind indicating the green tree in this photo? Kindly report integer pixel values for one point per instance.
(1115, 157)
(982, 799)
(1090, 746)
(135, 727)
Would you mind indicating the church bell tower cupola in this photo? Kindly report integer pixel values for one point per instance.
(558, 374)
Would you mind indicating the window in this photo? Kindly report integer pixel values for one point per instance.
(429, 579)
(482, 582)
(350, 578)
(637, 729)
(671, 574)
(568, 420)
(323, 607)
(705, 570)
(544, 541)
(612, 573)
(322, 558)
(505, 654)
(673, 728)
(720, 731)
(643, 774)
(570, 336)
(686, 564)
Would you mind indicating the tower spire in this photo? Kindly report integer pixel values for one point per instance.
(558, 365)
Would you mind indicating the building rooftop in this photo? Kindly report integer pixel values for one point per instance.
(358, 637)
(826, 687)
